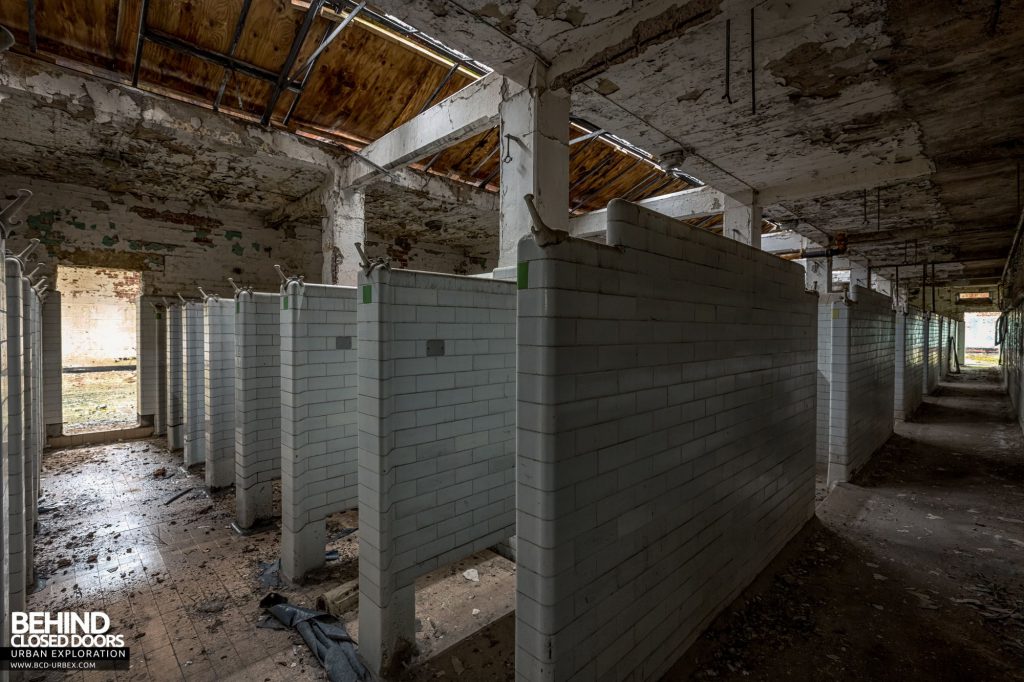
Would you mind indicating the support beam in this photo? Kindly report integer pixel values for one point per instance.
(742, 220)
(845, 182)
(468, 112)
(289, 63)
(344, 224)
(535, 134)
(690, 203)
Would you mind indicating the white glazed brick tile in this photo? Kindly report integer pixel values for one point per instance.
(219, 390)
(662, 441)
(435, 397)
(318, 417)
(15, 423)
(175, 377)
(863, 382)
(193, 384)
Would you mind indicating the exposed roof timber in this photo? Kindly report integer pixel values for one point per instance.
(243, 14)
(289, 63)
(690, 203)
(471, 111)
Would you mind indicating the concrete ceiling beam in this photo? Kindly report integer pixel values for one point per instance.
(470, 111)
(690, 203)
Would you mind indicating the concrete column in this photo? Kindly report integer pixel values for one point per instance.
(160, 339)
(742, 220)
(219, 391)
(819, 274)
(344, 224)
(175, 432)
(535, 134)
(53, 361)
(15, 422)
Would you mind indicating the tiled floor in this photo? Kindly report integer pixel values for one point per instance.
(184, 588)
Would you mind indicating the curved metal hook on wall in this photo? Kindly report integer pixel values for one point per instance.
(370, 264)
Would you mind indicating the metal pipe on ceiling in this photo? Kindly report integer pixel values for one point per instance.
(140, 41)
(289, 63)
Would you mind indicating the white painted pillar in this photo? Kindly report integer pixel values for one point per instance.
(858, 278)
(819, 274)
(53, 361)
(175, 398)
(535, 134)
(344, 224)
(15, 422)
(741, 220)
(219, 391)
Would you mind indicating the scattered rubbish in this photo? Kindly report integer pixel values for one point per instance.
(325, 636)
(177, 495)
(925, 601)
(331, 555)
(214, 606)
(879, 576)
(472, 574)
(933, 517)
(476, 612)
(340, 599)
(457, 665)
(270, 574)
(160, 473)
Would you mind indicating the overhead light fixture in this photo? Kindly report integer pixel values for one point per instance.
(6, 39)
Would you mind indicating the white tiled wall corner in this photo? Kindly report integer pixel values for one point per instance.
(666, 440)
(175, 377)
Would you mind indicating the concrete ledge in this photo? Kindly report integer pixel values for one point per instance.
(99, 437)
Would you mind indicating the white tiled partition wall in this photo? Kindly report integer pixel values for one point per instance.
(193, 391)
(257, 405)
(666, 438)
(219, 391)
(160, 345)
(53, 362)
(175, 376)
(863, 381)
(32, 424)
(931, 344)
(146, 359)
(825, 302)
(436, 437)
(909, 379)
(318, 418)
(5, 465)
(15, 423)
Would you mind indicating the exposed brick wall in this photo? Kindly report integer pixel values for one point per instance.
(257, 404)
(436, 435)
(177, 246)
(666, 437)
(318, 418)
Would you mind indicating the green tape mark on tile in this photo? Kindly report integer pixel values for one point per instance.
(523, 275)
(367, 293)
(284, 302)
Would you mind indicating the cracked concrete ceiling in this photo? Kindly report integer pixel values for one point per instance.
(899, 123)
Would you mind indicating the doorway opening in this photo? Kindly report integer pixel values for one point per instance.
(98, 339)
(980, 338)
